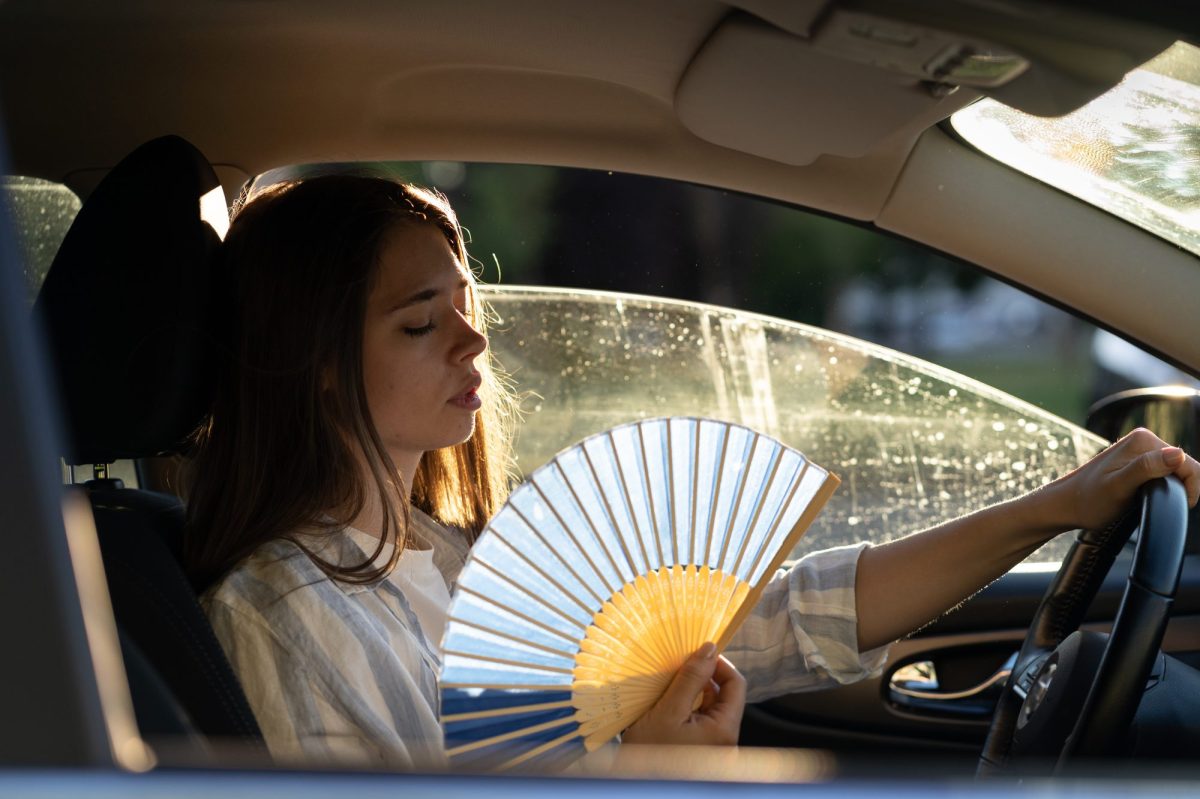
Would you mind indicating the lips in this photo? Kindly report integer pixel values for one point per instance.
(469, 399)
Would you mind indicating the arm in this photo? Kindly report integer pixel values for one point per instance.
(896, 590)
(803, 633)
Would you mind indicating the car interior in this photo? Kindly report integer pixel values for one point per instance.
(155, 114)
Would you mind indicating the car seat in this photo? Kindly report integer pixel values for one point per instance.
(131, 314)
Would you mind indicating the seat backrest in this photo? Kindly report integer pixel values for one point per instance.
(154, 604)
(132, 313)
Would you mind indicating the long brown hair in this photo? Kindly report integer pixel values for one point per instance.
(280, 450)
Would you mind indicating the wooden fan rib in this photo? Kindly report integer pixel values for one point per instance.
(725, 610)
(483, 743)
(685, 613)
(590, 694)
(654, 579)
(627, 495)
(634, 611)
(554, 551)
(672, 637)
(588, 518)
(714, 585)
(622, 612)
(706, 578)
(592, 691)
(659, 626)
(695, 493)
(558, 611)
(526, 618)
(815, 504)
(500, 712)
(610, 654)
(772, 540)
(506, 686)
(513, 638)
(592, 667)
(663, 587)
(650, 494)
(634, 571)
(537, 569)
(712, 511)
(541, 571)
(603, 728)
(537, 750)
(758, 508)
(566, 528)
(711, 598)
(784, 546)
(604, 639)
(506, 662)
(671, 501)
(737, 501)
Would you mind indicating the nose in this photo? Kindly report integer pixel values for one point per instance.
(471, 343)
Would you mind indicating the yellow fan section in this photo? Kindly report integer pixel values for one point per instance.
(639, 639)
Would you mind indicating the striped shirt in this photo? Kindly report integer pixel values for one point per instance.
(348, 673)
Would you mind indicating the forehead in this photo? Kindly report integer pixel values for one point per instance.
(415, 256)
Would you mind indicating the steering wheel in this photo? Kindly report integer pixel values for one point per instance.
(1073, 694)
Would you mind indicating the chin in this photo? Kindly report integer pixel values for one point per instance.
(458, 434)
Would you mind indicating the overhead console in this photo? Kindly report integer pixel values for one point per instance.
(840, 78)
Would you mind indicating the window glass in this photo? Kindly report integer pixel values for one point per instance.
(912, 443)
(1134, 151)
(42, 212)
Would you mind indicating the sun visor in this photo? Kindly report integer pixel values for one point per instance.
(794, 16)
(804, 102)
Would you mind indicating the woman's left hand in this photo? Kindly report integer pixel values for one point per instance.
(1094, 495)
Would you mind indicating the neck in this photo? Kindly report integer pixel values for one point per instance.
(406, 464)
(370, 519)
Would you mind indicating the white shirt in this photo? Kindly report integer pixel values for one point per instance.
(418, 578)
(348, 673)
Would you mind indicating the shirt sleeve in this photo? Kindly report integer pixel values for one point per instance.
(803, 633)
(311, 715)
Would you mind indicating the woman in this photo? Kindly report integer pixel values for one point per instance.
(358, 445)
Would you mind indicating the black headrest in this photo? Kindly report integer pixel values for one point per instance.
(128, 303)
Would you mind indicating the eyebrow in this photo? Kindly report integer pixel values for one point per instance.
(422, 296)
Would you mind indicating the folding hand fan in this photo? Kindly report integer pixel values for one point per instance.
(603, 572)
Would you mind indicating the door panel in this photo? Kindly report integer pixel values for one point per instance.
(966, 647)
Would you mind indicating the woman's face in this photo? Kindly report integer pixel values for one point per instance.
(419, 347)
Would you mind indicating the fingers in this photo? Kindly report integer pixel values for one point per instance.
(691, 679)
(676, 719)
(731, 685)
(1177, 462)
(1150, 465)
(1187, 469)
(1151, 457)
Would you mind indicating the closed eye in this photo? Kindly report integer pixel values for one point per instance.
(417, 332)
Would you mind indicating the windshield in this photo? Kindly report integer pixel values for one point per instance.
(1134, 151)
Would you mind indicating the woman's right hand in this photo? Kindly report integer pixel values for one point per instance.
(676, 719)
